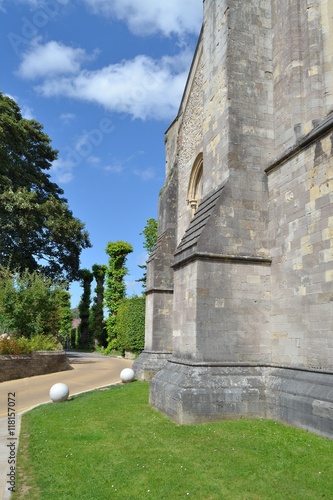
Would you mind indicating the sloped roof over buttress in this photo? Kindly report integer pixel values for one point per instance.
(197, 224)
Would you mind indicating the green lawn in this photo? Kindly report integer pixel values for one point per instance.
(111, 444)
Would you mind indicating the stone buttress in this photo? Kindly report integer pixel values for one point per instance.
(249, 252)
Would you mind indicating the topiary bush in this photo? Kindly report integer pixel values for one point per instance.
(115, 288)
(130, 324)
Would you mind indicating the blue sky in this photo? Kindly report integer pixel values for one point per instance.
(105, 78)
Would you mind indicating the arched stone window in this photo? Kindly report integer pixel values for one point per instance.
(194, 193)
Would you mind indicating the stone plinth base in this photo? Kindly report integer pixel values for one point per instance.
(199, 393)
(192, 393)
(302, 398)
(149, 363)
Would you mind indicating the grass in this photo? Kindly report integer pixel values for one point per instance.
(111, 444)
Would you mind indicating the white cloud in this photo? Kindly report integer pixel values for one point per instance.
(142, 87)
(62, 171)
(151, 16)
(94, 160)
(114, 169)
(35, 4)
(27, 112)
(81, 150)
(82, 144)
(67, 117)
(133, 287)
(145, 174)
(53, 58)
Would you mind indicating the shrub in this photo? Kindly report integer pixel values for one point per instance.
(112, 346)
(22, 345)
(130, 324)
(10, 345)
(43, 343)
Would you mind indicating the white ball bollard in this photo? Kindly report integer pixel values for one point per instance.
(127, 375)
(59, 392)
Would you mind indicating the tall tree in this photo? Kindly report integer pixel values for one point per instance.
(66, 317)
(31, 304)
(97, 324)
(38, 231)
(150, 235)
(86, 277)
(115, 287)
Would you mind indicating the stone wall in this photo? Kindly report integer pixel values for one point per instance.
(301, 233)
(159, 283)
(303, 398)
(302, 68)
(36, 363)
(252, 267)
(189, 143)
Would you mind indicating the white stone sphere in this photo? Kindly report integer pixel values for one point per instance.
(59, 392)
(127, 375)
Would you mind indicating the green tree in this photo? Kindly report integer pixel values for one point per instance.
(115, 287)
(31, 304)
(150, 235)
(86, 277)
(97, 324)
(66, 316)
(38, 231)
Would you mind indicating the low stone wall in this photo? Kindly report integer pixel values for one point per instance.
(37, 363)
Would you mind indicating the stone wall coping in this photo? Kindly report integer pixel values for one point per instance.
(247, 364)
(156, 352)
(317, 133)
(159, 290)
(30, 354)
(245, 259)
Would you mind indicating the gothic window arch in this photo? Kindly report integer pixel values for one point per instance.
(194, 193)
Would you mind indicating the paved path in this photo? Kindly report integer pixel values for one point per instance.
(90, 371)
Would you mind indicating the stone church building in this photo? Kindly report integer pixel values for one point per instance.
(240, 283)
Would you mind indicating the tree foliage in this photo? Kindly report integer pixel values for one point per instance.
(86, 277)
(130, 324)
(150, 234)
(38, 231)
(97, 324)
(115, 287)
(31, 304)
(66, 315)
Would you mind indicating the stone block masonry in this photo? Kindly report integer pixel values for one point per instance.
(28, 365)
(240, 306)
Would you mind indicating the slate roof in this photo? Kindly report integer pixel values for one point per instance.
(197, 224)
